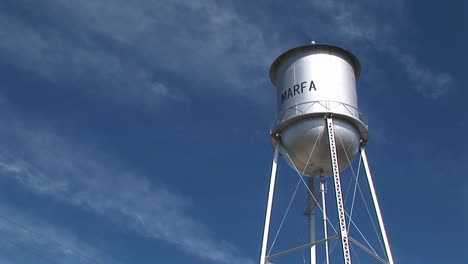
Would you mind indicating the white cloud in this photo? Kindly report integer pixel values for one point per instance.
(27, 239)
(124, 47)
(74, 174)
(157, 91)
(428, 83)
(375, 22)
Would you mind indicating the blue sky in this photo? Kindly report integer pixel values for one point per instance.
(137, 131)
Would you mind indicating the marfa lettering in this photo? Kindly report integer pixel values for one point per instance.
(297, 89)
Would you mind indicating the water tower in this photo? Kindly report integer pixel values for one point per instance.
(318, 130)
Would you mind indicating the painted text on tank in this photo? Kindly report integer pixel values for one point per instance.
(297, 89)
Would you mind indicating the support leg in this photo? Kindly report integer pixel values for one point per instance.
(339, 197)
(311, 214)
(376, 206)
(266, 227)
(324, 209)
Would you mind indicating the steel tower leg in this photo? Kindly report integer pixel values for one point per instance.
(324, 209)
(376, 206)
(266, 228)
(339, 197)
(311, 214)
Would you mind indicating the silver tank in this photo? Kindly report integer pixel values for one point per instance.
(311, 82)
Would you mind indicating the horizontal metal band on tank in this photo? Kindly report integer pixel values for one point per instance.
(325, 104)
(349, 112)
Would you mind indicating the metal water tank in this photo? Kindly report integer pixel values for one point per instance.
(312, 82)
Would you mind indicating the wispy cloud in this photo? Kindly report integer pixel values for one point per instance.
(123, 48)
(429, 83)
(75, 174)
(27, 239)
(374, 22)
